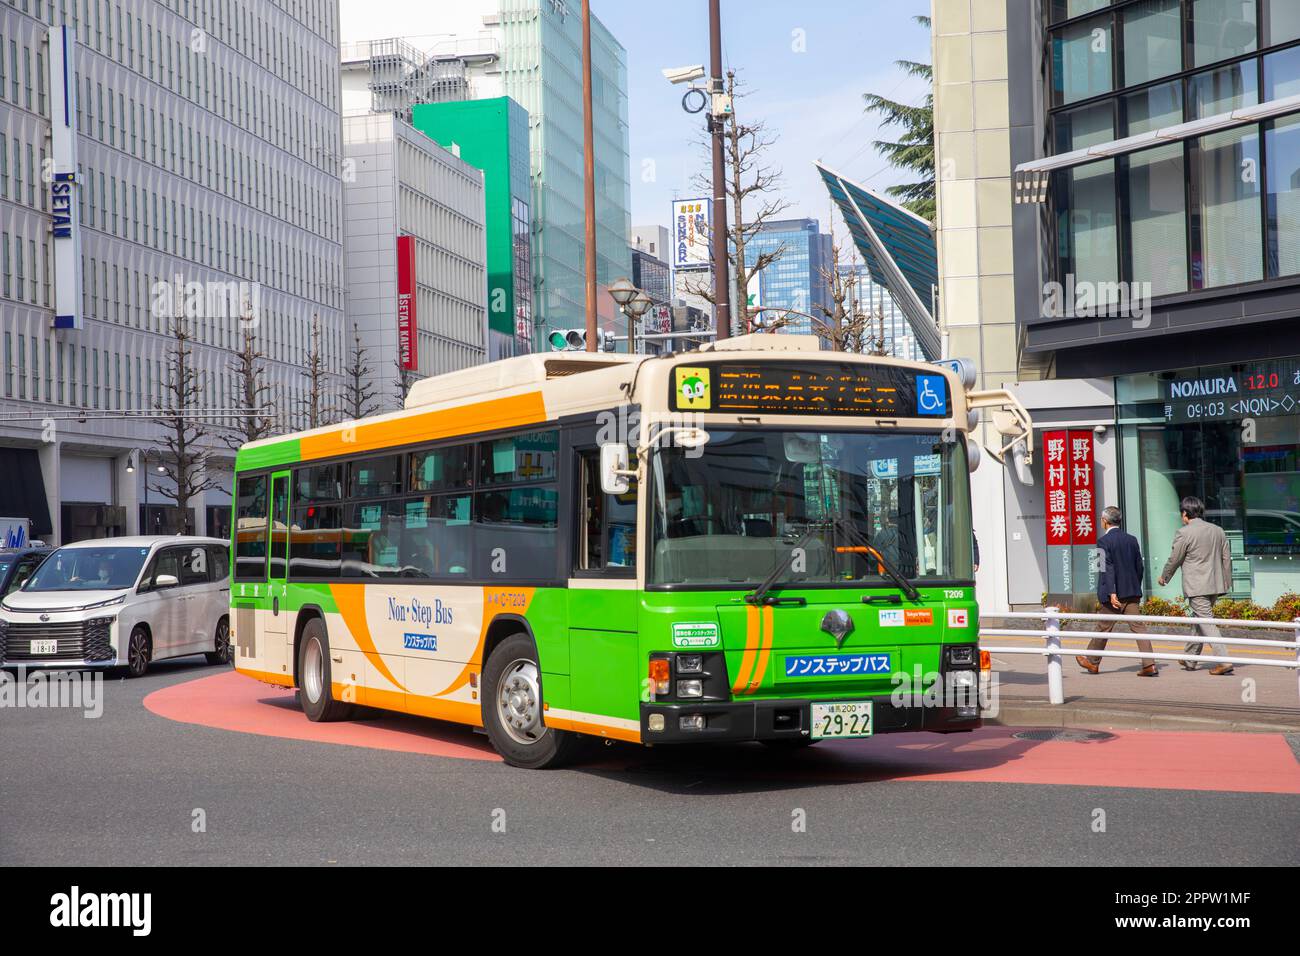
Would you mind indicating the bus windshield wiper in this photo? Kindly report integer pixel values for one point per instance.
(863, 545)
(759, 594)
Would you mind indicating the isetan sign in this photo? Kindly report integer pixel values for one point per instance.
(407, 349)
(62, 182)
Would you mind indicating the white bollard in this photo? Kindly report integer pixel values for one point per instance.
(1055, 689)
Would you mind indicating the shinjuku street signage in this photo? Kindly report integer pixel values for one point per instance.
(1069, 489)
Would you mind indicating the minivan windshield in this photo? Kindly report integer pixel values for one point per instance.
(89, 569)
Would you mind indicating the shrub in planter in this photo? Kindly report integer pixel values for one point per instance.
(1159, 606)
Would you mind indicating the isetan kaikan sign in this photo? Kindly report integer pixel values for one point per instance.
(406, 338)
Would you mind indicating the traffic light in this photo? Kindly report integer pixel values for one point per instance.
(575, 340)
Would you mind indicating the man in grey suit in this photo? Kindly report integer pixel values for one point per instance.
(1201, 550)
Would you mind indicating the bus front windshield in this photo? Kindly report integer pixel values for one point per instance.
(730, 513)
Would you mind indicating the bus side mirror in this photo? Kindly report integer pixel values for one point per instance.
(614, 472)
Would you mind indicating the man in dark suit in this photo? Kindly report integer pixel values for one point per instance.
(1119, 588)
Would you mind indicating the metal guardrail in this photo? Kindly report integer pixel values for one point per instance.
(1052, 634)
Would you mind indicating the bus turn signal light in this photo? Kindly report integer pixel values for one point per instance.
(660, 672)
(986, 662)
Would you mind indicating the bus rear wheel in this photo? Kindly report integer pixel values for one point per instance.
(315, 694)
(512, 709)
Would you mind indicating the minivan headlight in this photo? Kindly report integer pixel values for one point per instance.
(111, 602)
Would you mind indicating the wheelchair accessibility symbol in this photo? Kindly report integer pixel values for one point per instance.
(931, 395)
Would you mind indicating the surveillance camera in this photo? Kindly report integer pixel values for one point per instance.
(684, 74)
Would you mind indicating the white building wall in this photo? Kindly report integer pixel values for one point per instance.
(403, 183)
(208, 148)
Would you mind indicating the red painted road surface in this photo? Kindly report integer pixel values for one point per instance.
(1240, 763)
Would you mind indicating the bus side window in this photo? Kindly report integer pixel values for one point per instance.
(606, 524)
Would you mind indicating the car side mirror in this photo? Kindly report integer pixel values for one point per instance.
(165, 581)
(615, 476)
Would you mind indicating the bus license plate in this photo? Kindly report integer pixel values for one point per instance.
(850, 719)
(44, 647)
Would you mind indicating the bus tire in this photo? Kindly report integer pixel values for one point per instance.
(512, 709)
(315, 690)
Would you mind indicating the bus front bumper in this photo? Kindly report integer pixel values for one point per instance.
(726, 721)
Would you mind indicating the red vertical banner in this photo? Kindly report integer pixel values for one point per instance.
(1083, 486)
(1056, 486)
(406, 337)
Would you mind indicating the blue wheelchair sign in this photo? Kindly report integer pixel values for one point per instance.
(931, 395)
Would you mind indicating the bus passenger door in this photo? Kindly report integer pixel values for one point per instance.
(604, 659)
(277, 654)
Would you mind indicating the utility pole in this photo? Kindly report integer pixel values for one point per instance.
(589, 173)
(721, 264)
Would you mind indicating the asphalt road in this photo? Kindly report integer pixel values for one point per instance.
(124, 789)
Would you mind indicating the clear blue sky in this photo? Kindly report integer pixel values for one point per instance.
(810, 99)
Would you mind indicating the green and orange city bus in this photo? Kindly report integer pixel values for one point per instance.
(757, 540)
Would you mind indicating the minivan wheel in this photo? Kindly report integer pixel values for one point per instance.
(139, 650)
(222, 652)
(315, 694)
(513, 709)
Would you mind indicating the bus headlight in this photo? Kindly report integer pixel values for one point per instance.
(690, 663)
(690, 688)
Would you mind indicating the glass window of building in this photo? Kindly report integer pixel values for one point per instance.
(1065, 9)
(1153, 41)
(1282, 72)
(1282, 22)
(1222, 29)
(1228, 216)
(1282, 146)
(1086, 228)
(1084, 126)
(1156, 220)
(1081, 60)
(1153, 108)
(1223, 90)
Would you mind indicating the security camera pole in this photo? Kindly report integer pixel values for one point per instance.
(721, 264)
(589, 174)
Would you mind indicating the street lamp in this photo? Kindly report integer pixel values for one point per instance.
(633, 302)
(622, 290)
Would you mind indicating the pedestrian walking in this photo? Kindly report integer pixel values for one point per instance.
(1201, 550)
(1119, 589)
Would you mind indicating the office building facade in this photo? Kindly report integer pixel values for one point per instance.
(192, 149)
(798, 279)
(415, 249)
(1118, 231)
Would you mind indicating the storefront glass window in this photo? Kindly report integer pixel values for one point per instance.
(1282, 72)
(1229, 435)
(1085, 126)
(1283, 21)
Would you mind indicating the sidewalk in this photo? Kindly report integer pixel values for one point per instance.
(1253, 699)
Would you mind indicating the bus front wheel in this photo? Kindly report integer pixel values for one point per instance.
(315, 694)
(512, 708)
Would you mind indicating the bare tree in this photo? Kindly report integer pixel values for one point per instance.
(404, 382)
(844, 323)
(358, 389)
(252, 395)
(749, 186)
(315, 405)
(182, 450)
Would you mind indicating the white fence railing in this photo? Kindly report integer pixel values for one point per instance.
(1052, 634)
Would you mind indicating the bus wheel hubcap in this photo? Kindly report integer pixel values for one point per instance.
(519, 702)
(312, 679)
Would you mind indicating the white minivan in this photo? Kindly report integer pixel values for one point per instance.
(121, 601)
